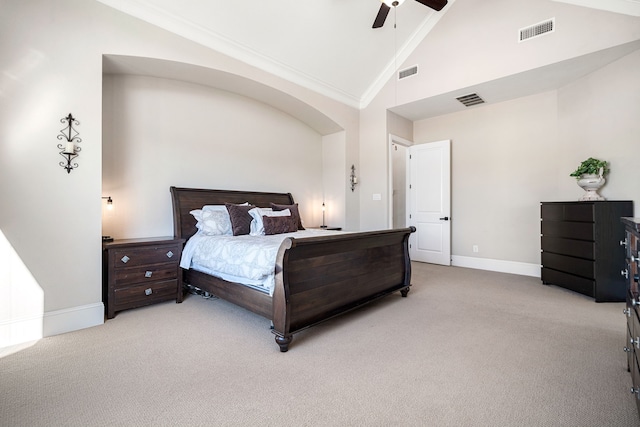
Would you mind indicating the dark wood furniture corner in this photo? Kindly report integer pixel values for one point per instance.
(631, 245)
(139, 272)
(581, 249)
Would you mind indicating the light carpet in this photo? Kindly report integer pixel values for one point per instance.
(465, 348)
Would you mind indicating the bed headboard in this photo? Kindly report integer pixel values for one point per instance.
(184, 200)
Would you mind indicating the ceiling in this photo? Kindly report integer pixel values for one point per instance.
(325, 45)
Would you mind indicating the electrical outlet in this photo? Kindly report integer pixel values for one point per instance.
(475, 249)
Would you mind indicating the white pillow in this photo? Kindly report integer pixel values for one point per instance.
(213, 222)
(257, 227)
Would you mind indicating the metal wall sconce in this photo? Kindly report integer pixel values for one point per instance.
(109, 202)
(109, 207)
(353, 179)
(323, 224)
(69, 149)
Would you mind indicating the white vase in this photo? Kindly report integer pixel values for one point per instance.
(590, 183)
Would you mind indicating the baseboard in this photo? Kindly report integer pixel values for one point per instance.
(512, 267)
(32, 328)
(73, 319)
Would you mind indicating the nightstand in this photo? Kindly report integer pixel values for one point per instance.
(138, 272)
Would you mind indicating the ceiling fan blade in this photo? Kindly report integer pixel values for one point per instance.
(382, 16)
(434, 4)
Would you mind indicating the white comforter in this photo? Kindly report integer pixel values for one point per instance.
(249, 260)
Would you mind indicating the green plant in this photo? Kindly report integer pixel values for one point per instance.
(591, 166)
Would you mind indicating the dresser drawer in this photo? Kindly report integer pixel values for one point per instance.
(576, 248)
(568, 230)
(579, 267)
(568, 281)
(568, 212)
(145, 293)
(125, 276)
(137, 256)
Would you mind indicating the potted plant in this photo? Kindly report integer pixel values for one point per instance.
(590, 175)
(591, 166)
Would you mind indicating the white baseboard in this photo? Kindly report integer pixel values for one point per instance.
(513, 267)
(73, 319)
(25, 329)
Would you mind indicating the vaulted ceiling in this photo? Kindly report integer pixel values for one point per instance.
(325, 45)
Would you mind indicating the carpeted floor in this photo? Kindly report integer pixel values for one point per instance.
(466, 348)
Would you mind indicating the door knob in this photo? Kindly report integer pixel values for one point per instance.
(446, 218)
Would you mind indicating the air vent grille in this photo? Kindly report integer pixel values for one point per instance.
(407, 72)
(471, 99)
(536, 30)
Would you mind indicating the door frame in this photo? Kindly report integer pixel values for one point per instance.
(393, 139)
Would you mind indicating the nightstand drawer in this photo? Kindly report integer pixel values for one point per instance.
(149, 273)
(136, 256)
(145, 293)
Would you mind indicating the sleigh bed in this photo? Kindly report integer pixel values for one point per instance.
(316, 278)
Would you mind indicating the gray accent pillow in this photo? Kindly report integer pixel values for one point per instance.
(240, 218)
(294, 212)
(279, 224)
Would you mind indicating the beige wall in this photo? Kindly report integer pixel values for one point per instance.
(473, 43)
(50, 221)
(51, 61)
(508, 157)
(162, 132)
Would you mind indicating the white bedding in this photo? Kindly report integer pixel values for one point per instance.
(247, 259)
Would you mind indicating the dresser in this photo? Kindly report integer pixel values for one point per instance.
(632, 311)
(581, 248)
(139, 272)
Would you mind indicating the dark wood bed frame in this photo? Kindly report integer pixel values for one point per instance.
(317, 278)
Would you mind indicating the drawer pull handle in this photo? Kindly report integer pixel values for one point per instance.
(623, 242)
(625, 273)
(148, 291)
(636, 391)
(634, 302)
(627, 312)
(125, 259)
(169, 254)
(148, 273)
(627, 349)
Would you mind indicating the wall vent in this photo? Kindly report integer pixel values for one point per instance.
(536, 30)
(407, 72)
(471, 99)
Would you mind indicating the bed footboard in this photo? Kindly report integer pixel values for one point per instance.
(321, 277)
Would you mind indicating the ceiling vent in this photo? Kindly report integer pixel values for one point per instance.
(471, 99)
(536, 30)
(407, 72)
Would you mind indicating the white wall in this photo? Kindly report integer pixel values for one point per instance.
(508, 157)
(51, 222)
(473, 43)
(334, 183)
(161, 132)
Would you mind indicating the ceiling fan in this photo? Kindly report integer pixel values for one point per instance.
(386, 6)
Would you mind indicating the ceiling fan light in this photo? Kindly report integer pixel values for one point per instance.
(392, 3)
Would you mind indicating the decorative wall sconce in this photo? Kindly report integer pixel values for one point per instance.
(69, 150)
(110, 208)
(353, 179)
(109, 202)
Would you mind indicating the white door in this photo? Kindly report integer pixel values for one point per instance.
(429, 202)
